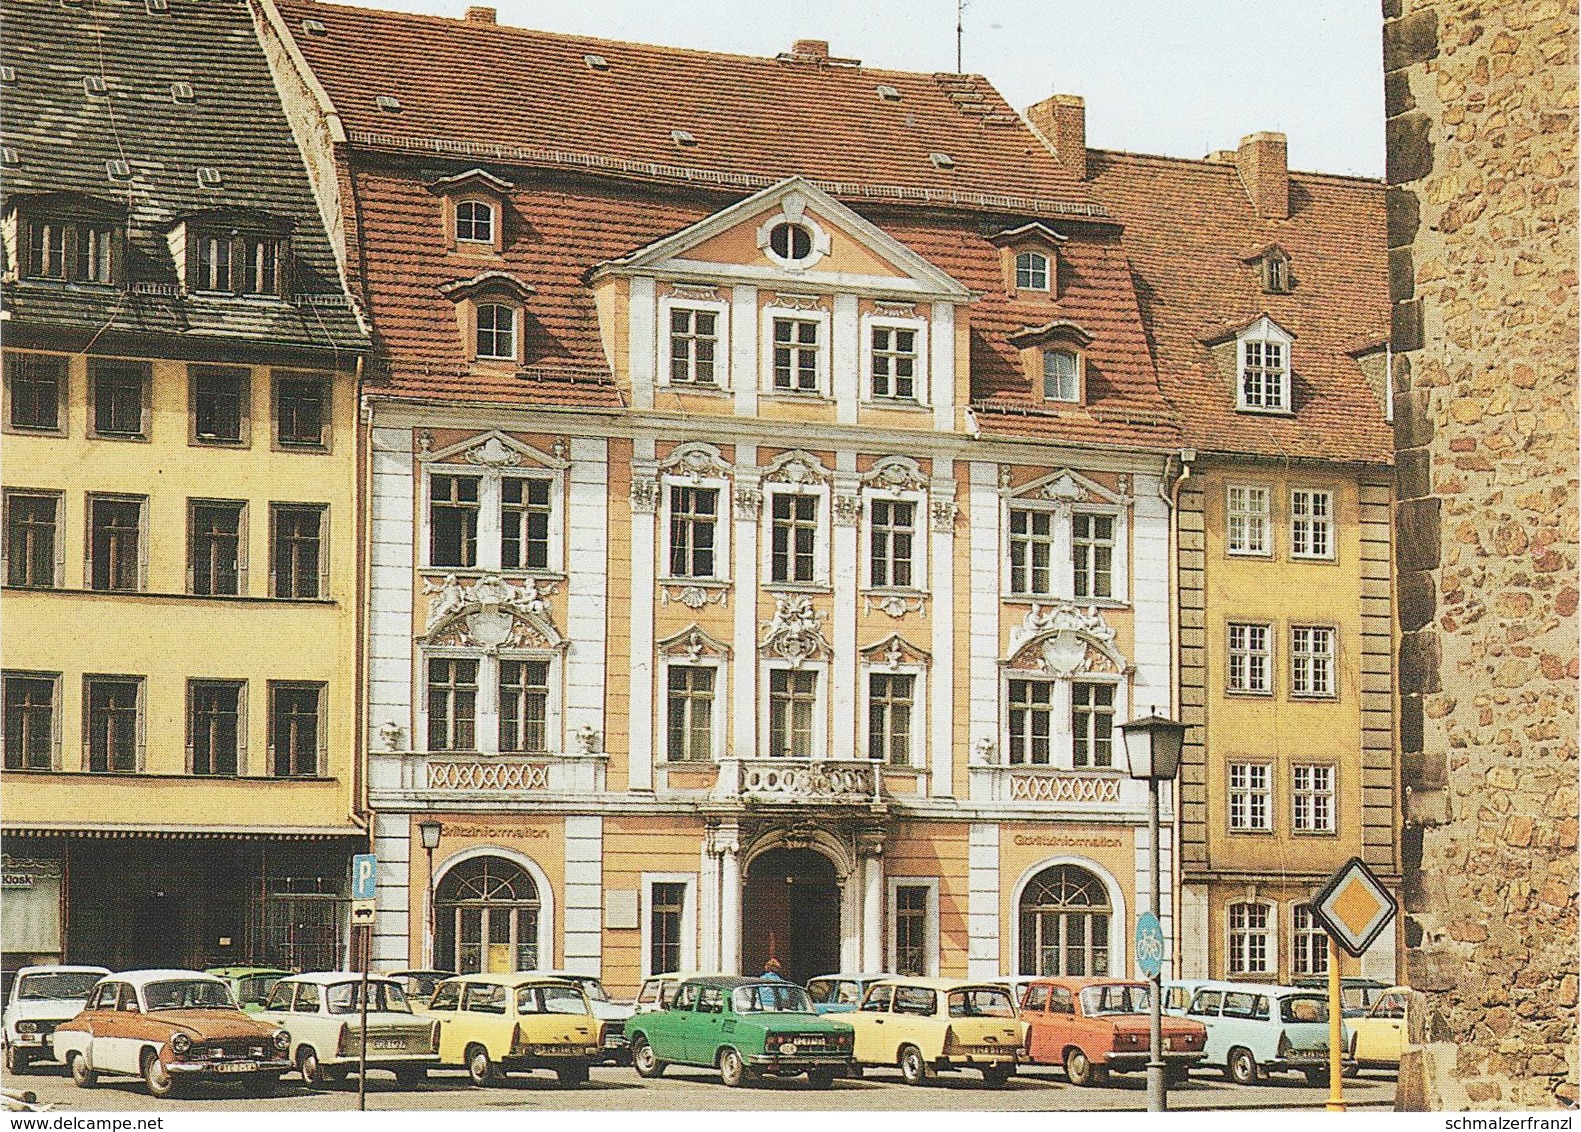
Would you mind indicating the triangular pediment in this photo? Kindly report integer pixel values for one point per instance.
(1066, 486)
(894, 651)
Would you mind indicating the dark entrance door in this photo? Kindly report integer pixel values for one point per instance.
(790, 910)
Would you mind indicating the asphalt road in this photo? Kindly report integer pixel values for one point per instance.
(1037, 1090)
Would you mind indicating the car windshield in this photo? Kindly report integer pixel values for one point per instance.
(343, 998)
(1115, 998)
(58, 984)
(770, 998)
(189, 994)
(1303, 1008)
(981, 1002)
(593, 989)
(821, 990)
(255, 988)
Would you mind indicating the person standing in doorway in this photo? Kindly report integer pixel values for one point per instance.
(771, 970)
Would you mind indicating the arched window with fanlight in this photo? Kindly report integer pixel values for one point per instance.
(1065, 923)
(486, 914)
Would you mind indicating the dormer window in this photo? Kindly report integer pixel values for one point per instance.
(47, 251)
(1061, 375)
(1032, 271)
(1055, 358)
(489, 314)
(496, 331)
(1029, 256)
(473, 205)
(475, 222)
(1263, 368)
(233, 252)
(1276, 274)
(80, 252)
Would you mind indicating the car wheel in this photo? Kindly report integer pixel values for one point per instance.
(854, 1071)
(313, 1075)
(912, 1067)
(1316, 1076)
(411, 1075)
(81, 1075)
(480, 1068)
(732, 1070)
(1078, 1069)
(18, 1062)
(572, 1076)
(644, 1061)
(996, 1076)
(1241, 1067)
(156, 1076)
(820, 1078)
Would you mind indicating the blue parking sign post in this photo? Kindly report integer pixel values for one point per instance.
(364, 887)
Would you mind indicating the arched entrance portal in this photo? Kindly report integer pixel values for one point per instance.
(790, 910)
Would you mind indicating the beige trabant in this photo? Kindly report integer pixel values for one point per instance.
(938, 1025)
(494, 1024)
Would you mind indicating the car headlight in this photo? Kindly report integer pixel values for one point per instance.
(282, 1040)
(27, 1027)
(181, 1043)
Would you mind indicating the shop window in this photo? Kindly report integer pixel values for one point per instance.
(486, 918)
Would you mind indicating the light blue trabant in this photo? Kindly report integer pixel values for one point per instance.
(839, 994)
(1255, 1029)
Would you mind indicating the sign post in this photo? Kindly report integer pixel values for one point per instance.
(364, 888)
(1353, 908)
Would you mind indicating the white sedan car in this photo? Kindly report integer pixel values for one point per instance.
(41, 999)
(323, 1012)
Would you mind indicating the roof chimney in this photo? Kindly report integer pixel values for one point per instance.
(1062, 120)
(1265, 174)
(480, 15)
(811, 48)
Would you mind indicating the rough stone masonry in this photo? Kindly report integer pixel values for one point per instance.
(1482, 119)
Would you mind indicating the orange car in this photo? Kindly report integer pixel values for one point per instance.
(1097, 1026)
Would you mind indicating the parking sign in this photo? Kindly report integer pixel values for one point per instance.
(364, 876)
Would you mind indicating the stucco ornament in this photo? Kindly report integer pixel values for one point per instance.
(1065, 639)
(796, 632)
(490, 612)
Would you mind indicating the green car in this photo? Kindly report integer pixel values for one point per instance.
(250, 985)
(746, 1028)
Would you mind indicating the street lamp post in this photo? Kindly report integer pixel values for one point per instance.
(429, 831)
(1152, 749)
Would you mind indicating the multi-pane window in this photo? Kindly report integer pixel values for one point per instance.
(1060, 376)
(214, 263)
(793, 537)
(890, 700)
(1092, 724)
(524, 523)
(1032, 552)
(496, 335)
(1247, 520)
(452, 704)
(219, 403)
(1312, 524)
(694, 518)
(1312, 798)
(47, 250)
(796, 355)
(1092, 554)
(120, 391)
(911, 929)
(214, 726)
(894, 363)
(29, 721)
(93, 253)
(112, 722)
(34, 384)
(1251, 797)
(1249, 657)
(1311, 660)
(215, 548)
(1251, 938)
(694, 346)
(689, 723)
(260, 266)
(301, 412)
(666, 914)
(31, 537)
(1032, 271)
(475, 222)
(453, 520)
(1263, 374)
(295, 729)
(793, 696)
(524, 705)
(1309, 943)
(892, 536)
(1031, 704)
(297, 564)
(115, 531)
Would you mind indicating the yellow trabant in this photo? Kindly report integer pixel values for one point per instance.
(1377, 1037)
(926, 1026)
(497, 1024)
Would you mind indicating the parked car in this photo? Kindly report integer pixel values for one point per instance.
(612, 1015)
(1356, 994)
(1094, 1027)
(1256, 1029)
(840, 994)
(499, 1024)
(938, 1025)
(1377, 1037)
(744, 1027)
(40, 999)
(250, 986)
(170, 1028)
(323, 1011)
(658, 992)
(419, 984)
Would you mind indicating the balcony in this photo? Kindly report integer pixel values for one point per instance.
(1045, 786)
(801, 782)
(464, 773)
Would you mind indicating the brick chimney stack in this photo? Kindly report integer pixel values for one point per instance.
(811, 48)
(1062, 120)
(480, 15)
(1265, 173)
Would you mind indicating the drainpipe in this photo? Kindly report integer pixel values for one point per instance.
(1187, 458)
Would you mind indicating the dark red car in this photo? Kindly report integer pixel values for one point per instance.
(1094, 1027)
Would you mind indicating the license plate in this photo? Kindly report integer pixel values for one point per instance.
(236, 1067)
(561, 1049)
(387, 1043)
(984, 1049)
(1309, 1055)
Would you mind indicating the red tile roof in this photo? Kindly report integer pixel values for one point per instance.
(1189, 230)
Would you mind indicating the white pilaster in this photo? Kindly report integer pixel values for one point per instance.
(584, 889)
(392, 946)
(941, 574)
(744, 350)
(643, 344)
(982, 901)
(744, 650)
(640, 711)
(587, 570)
(1193, 962)
(845, 350)
(707, 909)
(985, 573)
(941, 367)
(1144, 884)
(730, 907)
(1150, 653)
(873, 958)
(390, 600)
(843, 574)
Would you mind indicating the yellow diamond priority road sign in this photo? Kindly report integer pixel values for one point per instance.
(1354, 906)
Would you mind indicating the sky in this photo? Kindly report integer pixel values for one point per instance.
(1176, 77)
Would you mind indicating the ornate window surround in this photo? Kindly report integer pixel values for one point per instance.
(1062, 645)
(473, 185)
(495, 457)
(806, 308)
(1064, 493)
(693, 647)
(890, 316)
(797, 473)
(898, 656)
(897, 479)
(793, 210)
(681, 296)
(820, 706)
(695, 464)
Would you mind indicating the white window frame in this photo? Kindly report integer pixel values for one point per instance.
(1304, 798)
(720, 309)
(1062, 577)
(930, 936)
(1078, 358)
(1316, 939)
(718, 717)
(1269, 930)
(1246, 687)
(1247, 792)
(1119, 560)
(820, 708)
(1316, 659)
(516, 329)
(1117, 759)
(722, 525)
(1061, 733)
(919, 326)
(920, 539)
(494, 222)
(1249, 516)
(1059, 552)
(820, 315)
(1304, 526)
(486, 719)
(1048, 270)
(821, 538)
(1264, 331)
(919, 711)
(793, 212)
(491, 517)
(688, 920)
